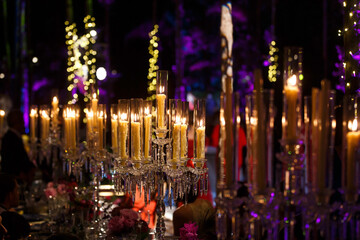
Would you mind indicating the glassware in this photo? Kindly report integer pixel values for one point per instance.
(114, 129)
(147, 131)
(175, 109)
(136, 134)
(44, 124)
(161, 103)
(124, 118)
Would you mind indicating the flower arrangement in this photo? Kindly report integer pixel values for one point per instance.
(189, 231)
(53, 190)
(125, 222)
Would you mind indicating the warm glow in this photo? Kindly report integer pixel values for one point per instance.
(44, 114)
(162, 89)
(183, 120)
(292, 81)
(147, 111)
(333, 124)
(114, 117)
(101, 114)
(94, 96)
(177, 120)
(2, 112)
(201, 123)
(123, 116)
(90, 114)
(32, 112)
(55, 99)
(353, 125)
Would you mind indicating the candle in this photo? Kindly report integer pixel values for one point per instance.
(176, 140)
(90, 120)
(55, 110)
(323, 137)
(2, 115)
(100, 125)
(147, 142)
(200, 142)
(45, 125)
(291, 95)
(72, 129)
(123, 133)
(183, 136)
(67, 129)
(135, 140)
(353, 142)
(33, 114)
(94, 106)
(114, 134)
(160, 98)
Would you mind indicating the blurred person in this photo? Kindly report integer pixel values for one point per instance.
(196, 210)
(16, 225)
(14, 158)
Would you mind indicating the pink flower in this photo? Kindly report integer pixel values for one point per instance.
(188, 232)
(50, 192)
(50, 185)
(129, 223)
(61, 188)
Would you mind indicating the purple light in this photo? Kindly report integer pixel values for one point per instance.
(39, 84)
(254, 214)
(318, 220)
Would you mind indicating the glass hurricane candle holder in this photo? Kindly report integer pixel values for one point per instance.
(114, 129)
(44, 124)
(161, 103)
(136, 134)
(351, 148)
(175, 109)
(199, 128)
(291, 119)
(124, 119)
(260, 125)
(33, 123)
(147, 130)
(101, 126)
(184, 131)
(70, 130)
(320, 126)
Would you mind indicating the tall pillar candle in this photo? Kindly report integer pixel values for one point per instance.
(291, 94)
(353, 143)
(33, 115)
(123, 135)
(114, 134)
(200, 142)
(184, 143)
(55, 110)
(135, 140)
(100, 126)
(176, 140)
(161, 98)
(147, 133)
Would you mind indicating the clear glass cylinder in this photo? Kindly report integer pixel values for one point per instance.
(44, 124)
(136, 134)
(101, 126)
(55, 111)
(2, 122)
(90, 121)
(259, 114)
(291, 119)
(199, 128)
(124, 119)
(147, 130)
(161, 96)
(33, 123)
(114, 129)
(184, 130)
(351, 148)
(320, 127)
(70, 129)
(175, 109)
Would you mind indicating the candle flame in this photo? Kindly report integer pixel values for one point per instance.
(201, 124)
(55, 99)
(162, 89)
(94, 95)
(90, 114)
(123, 116)
(114, 116)
(147, 111)
(2, 113)
(292, 81)
(333, 123)
(177, 120)
(101, 114)
(353, 125)
(44, 114)
(32, 112)
(183, 120)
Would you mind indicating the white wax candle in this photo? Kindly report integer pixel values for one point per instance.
(160, 98)
(184, 143)
(147, 138)
(200, 142)
(135, 140)
(114, 134)
(123, 133)
(32, 125)
(176, 141)
(291, 95)
(353, 143)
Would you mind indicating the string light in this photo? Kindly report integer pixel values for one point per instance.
(273, 62)
(153, 67)
(81, 66)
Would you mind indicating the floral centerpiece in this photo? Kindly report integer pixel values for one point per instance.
(126, 223)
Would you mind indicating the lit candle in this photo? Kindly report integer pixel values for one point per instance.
(147, 123)
(291, 95)
(123, 132)
(176, 139)
(2, 115)
(135, 140)
(200, 141)
(33, 114)
(66, 129)
(114, 133)
(72, 129)
(45, 125)
(55, 110)
(94, 107)
(160, 98)
(353, 143)
(184, 143)
(101, 129)
(90, 120)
